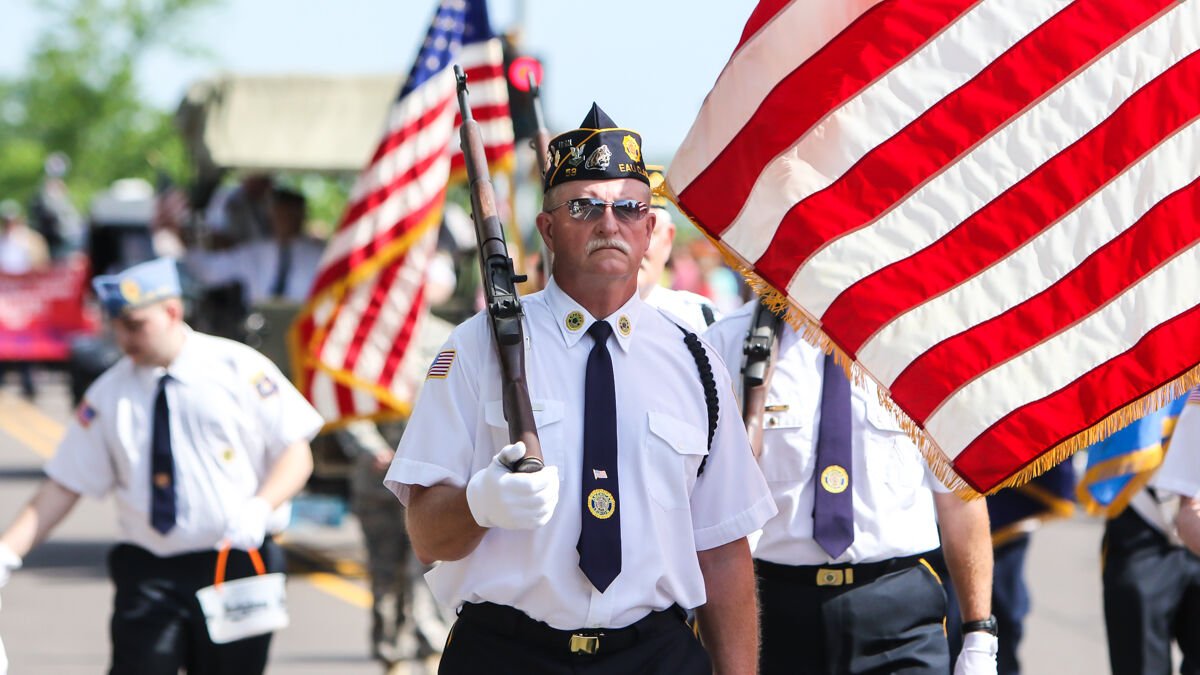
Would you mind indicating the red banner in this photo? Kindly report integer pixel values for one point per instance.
(41, 311)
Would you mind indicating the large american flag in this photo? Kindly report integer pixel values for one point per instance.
(991, 206)
(366, 307)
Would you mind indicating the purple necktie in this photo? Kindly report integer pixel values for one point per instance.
(833, 508)
(162, 464)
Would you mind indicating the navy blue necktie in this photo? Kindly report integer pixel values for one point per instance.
(162, 464)
(600, 533)
(833, 507)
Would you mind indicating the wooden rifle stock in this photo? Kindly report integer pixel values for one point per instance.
(499, 289)
(759, 349)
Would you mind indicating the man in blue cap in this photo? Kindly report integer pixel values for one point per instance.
(649, 488)
(202, 442)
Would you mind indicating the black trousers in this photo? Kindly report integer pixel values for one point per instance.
(1151, 597)
(891, 625)
(1010, 604)
(157, 626)
(519, 647)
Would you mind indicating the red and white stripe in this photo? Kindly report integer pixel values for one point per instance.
(367, 303)
(993, 206)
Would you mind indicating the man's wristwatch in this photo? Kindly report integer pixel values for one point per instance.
(987, 625)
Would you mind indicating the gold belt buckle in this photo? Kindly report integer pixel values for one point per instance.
(832, 577)
(585, 644)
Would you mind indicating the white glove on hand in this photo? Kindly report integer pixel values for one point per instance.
(248, 527)
(978, 655)
(9, 561)
(514, 501)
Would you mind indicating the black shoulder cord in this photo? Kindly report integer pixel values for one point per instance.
(710, 386)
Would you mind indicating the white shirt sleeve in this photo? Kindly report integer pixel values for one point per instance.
(438, 445)
(284, 415)
(1180, 469)
(82, 463)
(730, 499)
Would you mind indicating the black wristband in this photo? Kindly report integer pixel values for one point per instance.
(988, 625)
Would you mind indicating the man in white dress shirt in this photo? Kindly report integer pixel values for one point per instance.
(843, 572)
(642, 509)
(202, 443)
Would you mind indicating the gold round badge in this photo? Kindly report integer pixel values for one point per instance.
(602, 504)
(631, 148)
(162, 480)
(624, 325)
(131, 291)
(574, 321)
(835, 479)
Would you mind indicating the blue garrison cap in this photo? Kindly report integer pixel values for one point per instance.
(137, 286)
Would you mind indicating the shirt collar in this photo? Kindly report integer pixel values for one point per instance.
(573, 320)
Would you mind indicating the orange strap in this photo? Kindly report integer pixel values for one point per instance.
(223, 558)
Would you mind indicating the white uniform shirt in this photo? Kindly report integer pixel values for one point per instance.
(232, 413)
(686, 306)
(668, 512)
(893, 504)
(1180, 469)
(256, 263)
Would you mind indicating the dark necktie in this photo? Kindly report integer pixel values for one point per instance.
(600, 534)
(162, 464)
(833, 508)
(283, 268)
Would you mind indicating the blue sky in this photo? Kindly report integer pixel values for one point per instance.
(648, 63)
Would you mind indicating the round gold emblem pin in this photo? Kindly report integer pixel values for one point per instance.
(835, 479)
(574, 321)
(631, 148)
(131, 291)
(624, 325)
(601, 504)
(162, 480)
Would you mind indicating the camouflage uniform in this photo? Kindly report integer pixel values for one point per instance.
(407, 623)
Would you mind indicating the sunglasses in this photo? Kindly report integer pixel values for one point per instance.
(590, 208)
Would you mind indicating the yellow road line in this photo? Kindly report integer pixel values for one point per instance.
(28, 425)
(339, 588)
(41, 434)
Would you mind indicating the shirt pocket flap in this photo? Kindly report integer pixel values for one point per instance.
(545, 412)
(882, 419)
(684, 438)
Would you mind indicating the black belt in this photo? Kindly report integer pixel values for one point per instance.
(515, 624)
(836, 575)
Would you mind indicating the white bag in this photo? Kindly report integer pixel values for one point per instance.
(243, 608)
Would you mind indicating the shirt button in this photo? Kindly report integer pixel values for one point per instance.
(771, 421)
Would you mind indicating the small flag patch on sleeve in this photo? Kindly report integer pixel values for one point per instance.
(84, 414)
(440, 368)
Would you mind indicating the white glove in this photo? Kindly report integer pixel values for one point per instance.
(248, 527)
(9, 561)
(978, 655)
(514, 501)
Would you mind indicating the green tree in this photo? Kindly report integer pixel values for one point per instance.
(78, 95)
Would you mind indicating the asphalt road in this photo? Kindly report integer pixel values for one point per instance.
(56, 609)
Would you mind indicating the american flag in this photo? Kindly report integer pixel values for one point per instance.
(990, 206)
(366, 307)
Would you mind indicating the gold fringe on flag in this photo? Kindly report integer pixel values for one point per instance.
(811, 331)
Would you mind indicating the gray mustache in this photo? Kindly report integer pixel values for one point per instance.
(597, 244)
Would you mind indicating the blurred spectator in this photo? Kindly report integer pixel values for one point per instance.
(51, 211)
(281, 268)
(406, 624)
(241, 214)
(21, 248)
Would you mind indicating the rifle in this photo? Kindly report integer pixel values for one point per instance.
(499, 289)
(762, 342)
